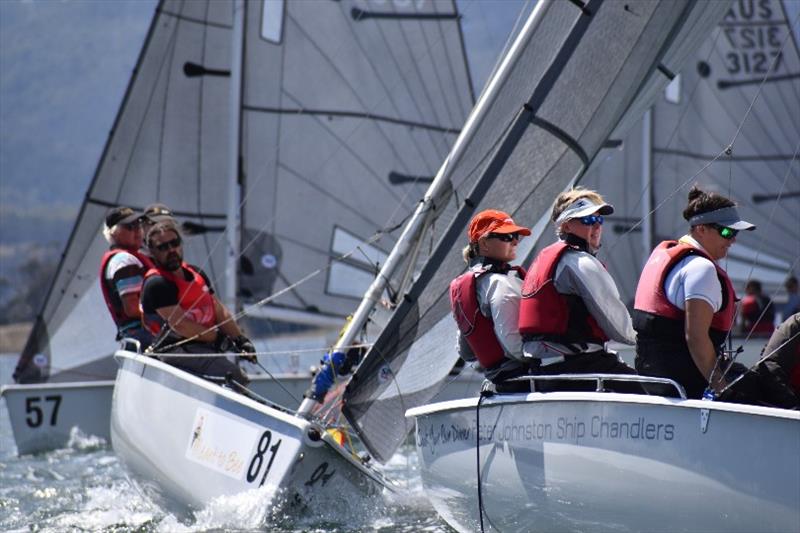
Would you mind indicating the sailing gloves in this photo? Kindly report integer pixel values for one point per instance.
(246, 349)
(241, 345)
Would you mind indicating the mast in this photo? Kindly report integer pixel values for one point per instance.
(233, 212)
(647, 184)
(417, 222)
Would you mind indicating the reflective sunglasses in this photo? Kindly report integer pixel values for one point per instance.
(164, 246)
(591, 220)
(505, 237)
(725, 232)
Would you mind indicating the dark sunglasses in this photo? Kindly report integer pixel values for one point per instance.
(591, 220)
(725, 232)
(164, 246)
(505, 237)
(132, 226)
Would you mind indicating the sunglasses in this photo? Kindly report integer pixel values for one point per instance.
(725, 232)
(591, 220)
(132, 226)
(505, 237)
(164, 246)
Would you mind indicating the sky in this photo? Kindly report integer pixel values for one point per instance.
(64, 67)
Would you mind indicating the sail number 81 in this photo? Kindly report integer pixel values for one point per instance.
(258, 459)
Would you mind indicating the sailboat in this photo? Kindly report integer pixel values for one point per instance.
(327, 142)
(566, 461)
(575, 73)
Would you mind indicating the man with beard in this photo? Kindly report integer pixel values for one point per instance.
(179, 307)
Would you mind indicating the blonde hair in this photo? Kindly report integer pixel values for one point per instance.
(566, 198)
(470, 252)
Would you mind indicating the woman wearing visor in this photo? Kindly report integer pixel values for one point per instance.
(685, 302)
(570, 305)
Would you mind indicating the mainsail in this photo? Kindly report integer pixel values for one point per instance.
(574, 72)
(345, 106)
(691, 123)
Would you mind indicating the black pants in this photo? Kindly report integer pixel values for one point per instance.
(764, 385)
(585, 363)
(206, 367)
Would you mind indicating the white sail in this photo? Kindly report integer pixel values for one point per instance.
(337, 97)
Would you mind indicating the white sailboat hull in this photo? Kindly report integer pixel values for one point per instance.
(44, 416)
(189, 442)
(572, 461)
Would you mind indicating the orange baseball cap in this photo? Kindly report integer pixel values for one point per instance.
(493, 221)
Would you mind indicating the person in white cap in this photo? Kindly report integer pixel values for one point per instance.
(485, 299)
(570, 305)
(685, 302)
(122, 270)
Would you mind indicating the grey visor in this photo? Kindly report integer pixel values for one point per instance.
(726, 216)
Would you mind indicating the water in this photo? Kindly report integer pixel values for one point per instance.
(85, 488)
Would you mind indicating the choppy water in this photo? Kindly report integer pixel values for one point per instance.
(84, 488)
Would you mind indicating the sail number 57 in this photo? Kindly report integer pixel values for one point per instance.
(34, 409)
(260, 458)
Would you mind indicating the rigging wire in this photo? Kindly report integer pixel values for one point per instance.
(725, 151)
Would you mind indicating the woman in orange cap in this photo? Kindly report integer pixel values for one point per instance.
(485, 299)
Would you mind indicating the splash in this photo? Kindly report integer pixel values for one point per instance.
(80, 441)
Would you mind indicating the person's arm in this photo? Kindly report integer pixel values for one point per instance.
(130, 305)
(699, 314)
(180, 323)
(126, 273)
(585, 276)
(502, 297)
(464, 350)
(228, 326)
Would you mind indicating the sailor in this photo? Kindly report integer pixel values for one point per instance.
(685, 301)
(757, 311)
(122, 270)
(180, 309)
(570, 305)
(485, 299)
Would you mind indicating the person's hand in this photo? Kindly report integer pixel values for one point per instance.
(223, 343)
(246, 349)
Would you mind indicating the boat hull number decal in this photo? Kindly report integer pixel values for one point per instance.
(264, 453)
(36, 414)
(320, 474)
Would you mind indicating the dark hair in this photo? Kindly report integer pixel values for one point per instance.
(161, 227)
(704, 202)
(753, 285)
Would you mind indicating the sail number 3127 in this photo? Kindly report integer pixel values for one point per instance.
(257, 462)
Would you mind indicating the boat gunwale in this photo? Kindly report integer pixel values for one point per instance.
(600, 397)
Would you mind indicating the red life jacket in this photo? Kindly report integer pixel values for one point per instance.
(110, 295)
(194, 297)
(546, 314)
(477, 329)
(651, 298)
